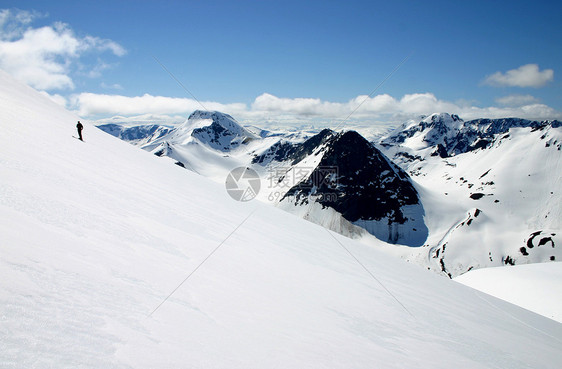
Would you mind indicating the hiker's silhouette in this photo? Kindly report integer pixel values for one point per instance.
(79, 127)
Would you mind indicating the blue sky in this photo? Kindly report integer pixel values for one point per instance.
(289, 60)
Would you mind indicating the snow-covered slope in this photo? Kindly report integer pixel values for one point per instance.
(96, 234)
(535, 287)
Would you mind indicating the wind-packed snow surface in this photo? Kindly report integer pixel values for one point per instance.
(95, 236)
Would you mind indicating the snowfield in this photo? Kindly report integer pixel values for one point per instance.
(535, 287)
(95, 235)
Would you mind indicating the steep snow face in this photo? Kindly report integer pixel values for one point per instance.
(96, 234)
(495, 204)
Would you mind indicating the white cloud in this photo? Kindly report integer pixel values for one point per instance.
(114, 86)
(12, 22)
(360, 107)
(517, 100)
(527, 75)
(385, 108)
(90, 104)
(61, 100)
(162, 119)
(96, 43)
(424, 103)
(43, 57)
(297, 106)
(381, 103)
(97, 70)
(532, 111)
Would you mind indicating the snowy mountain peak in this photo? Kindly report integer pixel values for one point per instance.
(213, 117)
(213, 129)
(448, 135)
(442, 118)
(218, 130)
(209, 114)
(433, 130)
(224, 120)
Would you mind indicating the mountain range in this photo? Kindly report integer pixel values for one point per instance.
(448, 194)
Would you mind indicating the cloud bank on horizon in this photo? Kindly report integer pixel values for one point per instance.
(50, 58)
(267, 107)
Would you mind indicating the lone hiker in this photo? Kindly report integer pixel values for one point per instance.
(79, 127)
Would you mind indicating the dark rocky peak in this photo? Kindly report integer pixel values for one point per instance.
(358, 181)
(440, 151)
(350, 143)
(309, 146)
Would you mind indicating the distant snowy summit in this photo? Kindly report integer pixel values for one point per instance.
(449, 135)
(436, 129)
(218, 130)
(214, 129)
(137, 135)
